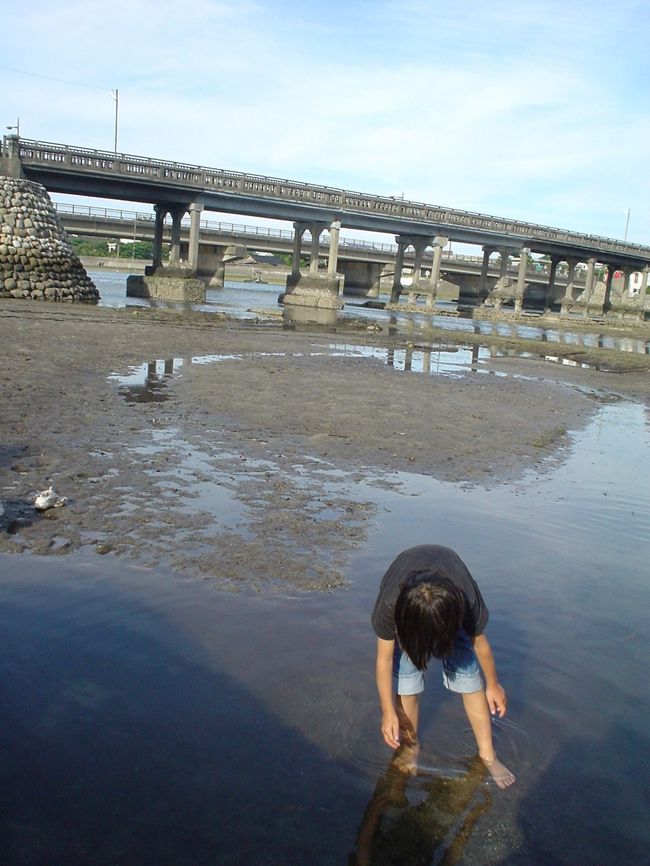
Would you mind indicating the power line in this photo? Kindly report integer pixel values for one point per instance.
(50, 78)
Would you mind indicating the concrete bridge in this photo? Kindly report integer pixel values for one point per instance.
(176, 189)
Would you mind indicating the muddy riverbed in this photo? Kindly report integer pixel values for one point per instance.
(233, 450)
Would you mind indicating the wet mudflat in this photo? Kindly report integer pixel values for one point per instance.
(150, 714)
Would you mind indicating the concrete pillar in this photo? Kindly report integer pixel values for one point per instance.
(315, 229)
(625, 292)
(419, 245)
(642, 289)
(195, 227)
(160, 211)
(299, 228)
(332, 259)
(590, 283)
(521, 279)
(177, 214)
(567, 300)
(607, 301)
(439, 243)
(402, 244)
(550, 288)
(503, 268)
(482, 286)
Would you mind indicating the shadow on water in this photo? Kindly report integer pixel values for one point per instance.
(121, 743)
(584, 808)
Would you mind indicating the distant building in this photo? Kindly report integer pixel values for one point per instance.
(637, 281)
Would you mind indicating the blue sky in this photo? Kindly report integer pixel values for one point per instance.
(530, 110)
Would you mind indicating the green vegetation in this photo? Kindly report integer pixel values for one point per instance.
(287, 259)
(114, 248)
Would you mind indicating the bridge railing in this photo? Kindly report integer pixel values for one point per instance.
(248, 232)
(118, 215)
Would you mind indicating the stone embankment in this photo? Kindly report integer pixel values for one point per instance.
(36, 260)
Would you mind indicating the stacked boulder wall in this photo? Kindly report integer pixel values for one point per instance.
(36, 260)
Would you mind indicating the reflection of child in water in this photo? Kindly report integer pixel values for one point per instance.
(440, 824)
(429, 606)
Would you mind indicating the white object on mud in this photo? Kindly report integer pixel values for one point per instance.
(48, 499)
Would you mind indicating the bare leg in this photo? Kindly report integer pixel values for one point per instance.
(407, 709)
(478, 713)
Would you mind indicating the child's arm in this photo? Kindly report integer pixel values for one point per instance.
(384, 673)
(494, 691)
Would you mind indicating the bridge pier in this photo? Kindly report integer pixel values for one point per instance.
(439, 243)
(179, 280)
(419, 245)
(499, 292)
(583, 302)
(607, 300)
(403, 242)
(195, 228)
(160, 212)
(642, 298)
(549, 295)
(566, 303)
(312, 290)
(521, 279)
(483, 290)
(619, 302)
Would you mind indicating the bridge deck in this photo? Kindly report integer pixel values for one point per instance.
(67, 169)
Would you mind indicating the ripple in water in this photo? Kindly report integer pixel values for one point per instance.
(446, 751)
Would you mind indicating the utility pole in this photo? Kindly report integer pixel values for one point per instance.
(627, 223)
(115, 94)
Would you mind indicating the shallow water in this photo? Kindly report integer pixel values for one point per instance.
(147, 718)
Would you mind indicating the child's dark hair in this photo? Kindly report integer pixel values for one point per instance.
(428, 615)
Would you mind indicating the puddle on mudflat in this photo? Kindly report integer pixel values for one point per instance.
(145, 383)
(436, 360)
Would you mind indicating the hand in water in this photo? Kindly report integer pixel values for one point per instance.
(390, 729)
(497, 701)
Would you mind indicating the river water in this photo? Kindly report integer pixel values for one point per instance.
(149, 719)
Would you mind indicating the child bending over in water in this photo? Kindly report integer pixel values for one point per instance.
(429, 606)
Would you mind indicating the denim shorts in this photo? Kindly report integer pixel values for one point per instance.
(460, 670)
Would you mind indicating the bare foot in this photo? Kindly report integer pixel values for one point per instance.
(499, 772)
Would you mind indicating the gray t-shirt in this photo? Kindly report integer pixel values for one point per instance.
(428, 556)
